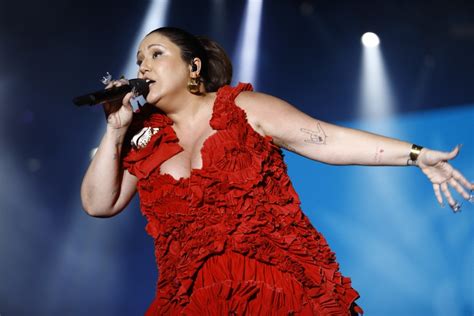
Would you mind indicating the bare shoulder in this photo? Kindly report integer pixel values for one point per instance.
(250, 98)
(248, 101)
(260, 102)
(258, 107)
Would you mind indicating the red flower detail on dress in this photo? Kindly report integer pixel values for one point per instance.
(161, 146)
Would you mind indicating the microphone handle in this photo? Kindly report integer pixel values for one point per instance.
(102, 96)
(141, 87)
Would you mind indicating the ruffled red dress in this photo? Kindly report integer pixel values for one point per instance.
(231, 239)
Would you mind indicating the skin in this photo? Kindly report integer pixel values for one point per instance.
(107, 189)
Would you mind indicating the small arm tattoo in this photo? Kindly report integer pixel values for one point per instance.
(378, 154)
(315, 137)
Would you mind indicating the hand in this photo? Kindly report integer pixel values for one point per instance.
(119, 112)
(435, 166)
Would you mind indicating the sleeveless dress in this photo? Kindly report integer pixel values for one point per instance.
(231, 239)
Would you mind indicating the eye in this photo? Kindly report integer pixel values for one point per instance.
(139, 62)
(156, 54)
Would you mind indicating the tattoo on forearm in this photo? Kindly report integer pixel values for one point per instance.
(315, 137)
(378, 154)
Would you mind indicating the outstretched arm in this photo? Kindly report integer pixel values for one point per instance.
(337, 145)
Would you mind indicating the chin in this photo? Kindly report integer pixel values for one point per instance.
(152, 98)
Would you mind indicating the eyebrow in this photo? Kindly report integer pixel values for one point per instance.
(149, 46)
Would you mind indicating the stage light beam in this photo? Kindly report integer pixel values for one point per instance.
(248, 42)
(376, 99)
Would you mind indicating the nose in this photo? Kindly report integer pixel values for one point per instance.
(143, 68)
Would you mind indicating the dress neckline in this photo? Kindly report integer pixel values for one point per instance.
(215, 132)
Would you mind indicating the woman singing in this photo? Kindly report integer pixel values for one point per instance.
(229, 234)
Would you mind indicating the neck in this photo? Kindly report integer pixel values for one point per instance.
(186, 108)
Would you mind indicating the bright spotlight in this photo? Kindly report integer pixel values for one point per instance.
(370, 39)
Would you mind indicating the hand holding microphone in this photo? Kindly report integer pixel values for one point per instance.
(118, 111)
(116, 99)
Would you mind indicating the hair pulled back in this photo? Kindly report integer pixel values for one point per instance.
(216, 67)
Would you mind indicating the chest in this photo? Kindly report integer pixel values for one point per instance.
(191, 141)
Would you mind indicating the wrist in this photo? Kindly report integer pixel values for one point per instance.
(116, 134)
(116, 130)
(414, 155)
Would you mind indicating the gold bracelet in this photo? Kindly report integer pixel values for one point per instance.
(415, 152)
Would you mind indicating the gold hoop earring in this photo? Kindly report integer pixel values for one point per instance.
(193, 85)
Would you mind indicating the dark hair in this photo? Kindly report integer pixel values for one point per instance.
(216, 67)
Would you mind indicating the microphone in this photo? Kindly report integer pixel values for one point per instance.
(141, 86)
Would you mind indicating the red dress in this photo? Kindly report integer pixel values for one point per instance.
(231, 239)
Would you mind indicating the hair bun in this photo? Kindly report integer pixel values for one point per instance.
(219, 66)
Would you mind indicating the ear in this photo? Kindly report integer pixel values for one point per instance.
(195, 67)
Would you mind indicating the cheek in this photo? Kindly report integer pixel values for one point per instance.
(176, 72)
(172, 77)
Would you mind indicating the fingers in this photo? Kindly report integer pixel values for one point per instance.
(453, 153)
(117, 105)
(438, 195)
(116, 83)
(126, 101)
(444, 174)
(459, 188)
(459, 177)
(114, 105)
(444, 188)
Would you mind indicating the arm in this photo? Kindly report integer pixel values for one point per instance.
(107, 189)
(332, 144)
(318, 140)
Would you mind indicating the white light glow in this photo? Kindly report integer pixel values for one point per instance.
(156, 17)
(248, 43)
(370, 39)
(376, 99)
